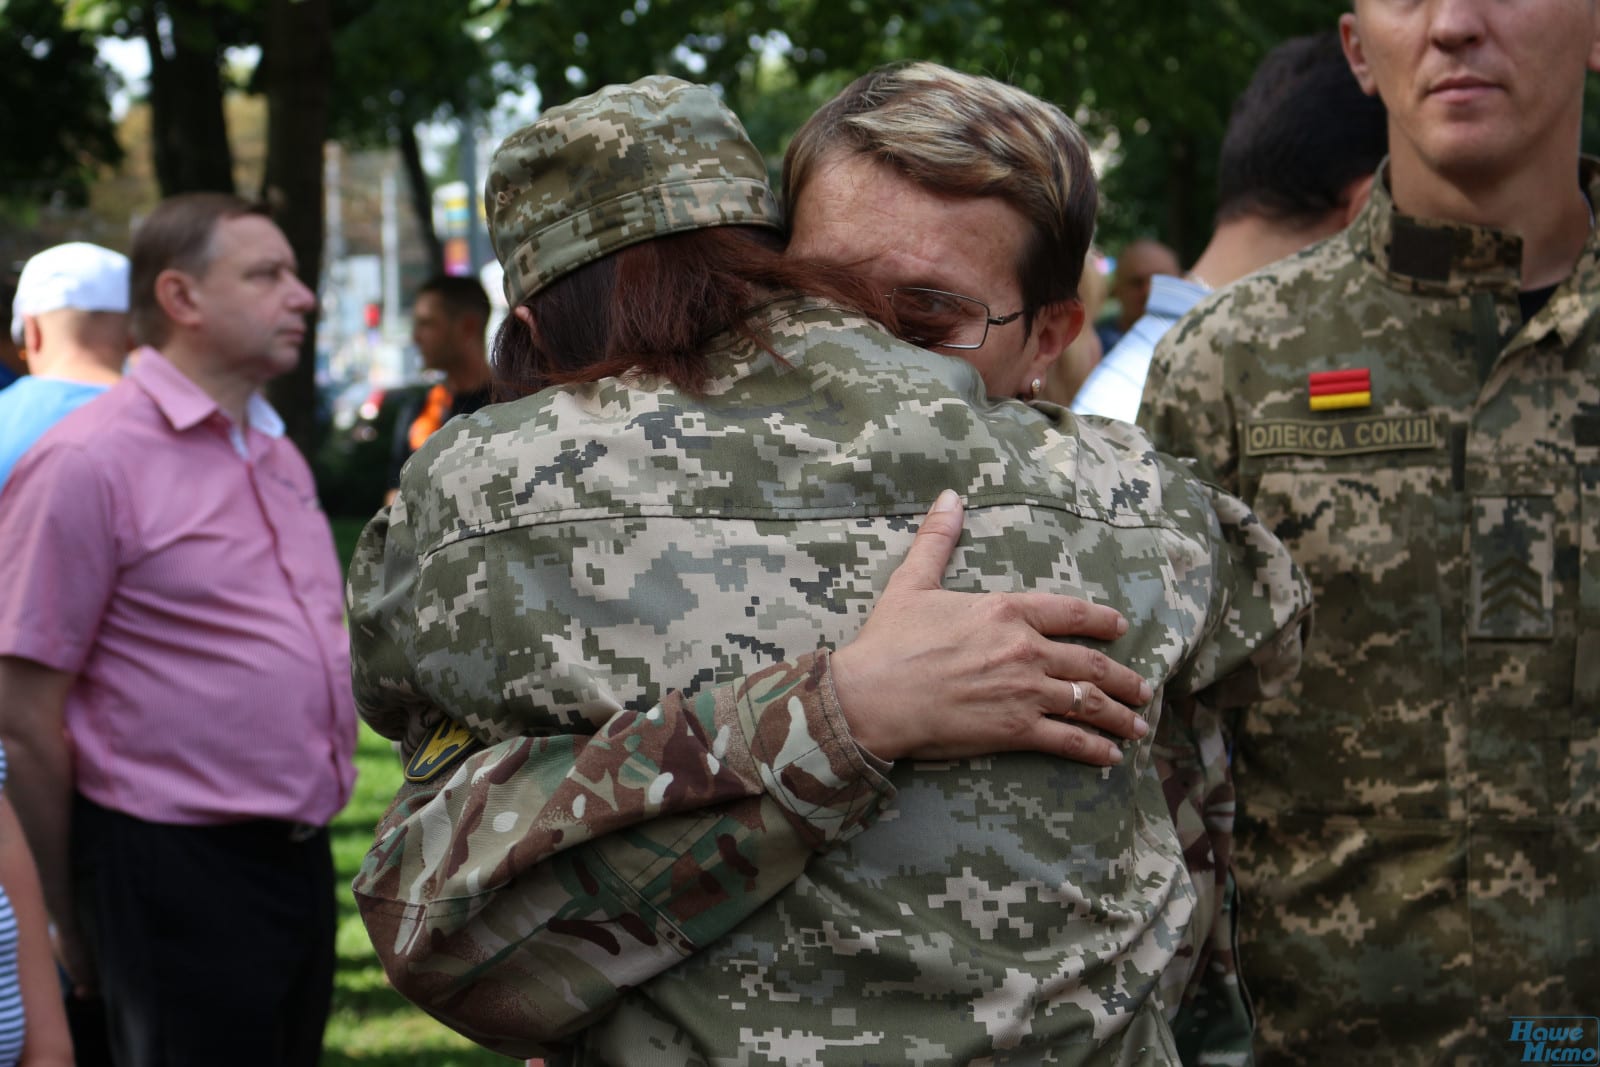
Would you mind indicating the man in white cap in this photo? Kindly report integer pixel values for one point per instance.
(70, 317)
(11, 365)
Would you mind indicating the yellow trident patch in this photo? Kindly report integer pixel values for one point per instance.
(446, 742)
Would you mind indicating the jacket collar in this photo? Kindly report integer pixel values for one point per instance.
(1438, 258)
(184, 404)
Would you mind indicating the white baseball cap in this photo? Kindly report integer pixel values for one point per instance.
(74, 275)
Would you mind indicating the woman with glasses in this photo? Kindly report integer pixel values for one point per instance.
(633, 633)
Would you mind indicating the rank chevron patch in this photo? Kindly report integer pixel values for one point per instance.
(1513, 560)
(1511, 589)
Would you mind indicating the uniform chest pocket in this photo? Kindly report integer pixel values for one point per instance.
(1368, 541)
(1533, 658)
(1371, 687)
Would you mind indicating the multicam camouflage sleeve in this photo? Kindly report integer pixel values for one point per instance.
(631, 847)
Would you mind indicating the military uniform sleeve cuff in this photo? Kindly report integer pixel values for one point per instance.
(829, 786)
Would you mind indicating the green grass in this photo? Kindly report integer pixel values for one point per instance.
(345, 534)
(372, 1025)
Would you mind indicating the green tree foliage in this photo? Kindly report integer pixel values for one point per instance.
(404, 62)
(1161, 74)
(1591, 116)
(56, 122)
(401, 62)
(186, 40)
(1152, 81)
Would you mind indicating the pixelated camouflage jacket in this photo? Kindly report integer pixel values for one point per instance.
(553, 566)
(1420, 813)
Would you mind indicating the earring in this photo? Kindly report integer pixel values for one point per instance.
(1034, 387)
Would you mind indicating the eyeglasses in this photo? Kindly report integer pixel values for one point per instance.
(933, 318)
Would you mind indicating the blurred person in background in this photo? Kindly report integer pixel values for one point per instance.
(448, 320)
(33, 1022)
(70, 317)
(11, 365)
(174, 672)
(69, 314)
(1078, 360)
(1140, 261)
(1297, 160)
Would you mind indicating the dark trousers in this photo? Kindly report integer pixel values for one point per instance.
(86, 1021)
(214, 944)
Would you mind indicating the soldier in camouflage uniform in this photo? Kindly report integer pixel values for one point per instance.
(736, 873)
(1414, 407)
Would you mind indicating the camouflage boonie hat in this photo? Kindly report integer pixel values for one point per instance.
(617, 167)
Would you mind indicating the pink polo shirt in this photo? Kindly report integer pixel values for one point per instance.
(196, 595)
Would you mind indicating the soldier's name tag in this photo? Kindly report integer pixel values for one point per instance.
(445, 744)
(1340, 437)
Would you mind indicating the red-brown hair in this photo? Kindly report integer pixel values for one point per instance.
(649, 309)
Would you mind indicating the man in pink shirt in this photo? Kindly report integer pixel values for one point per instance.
(174, 676)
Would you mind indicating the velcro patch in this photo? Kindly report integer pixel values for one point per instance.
(446, 743)
(1513, 558)
(1342, 437)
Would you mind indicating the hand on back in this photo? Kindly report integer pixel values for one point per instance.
(936, 674)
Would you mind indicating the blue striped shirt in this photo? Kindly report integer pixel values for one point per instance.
(11, 1025)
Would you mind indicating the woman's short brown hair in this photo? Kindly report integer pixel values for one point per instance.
(963, 135)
